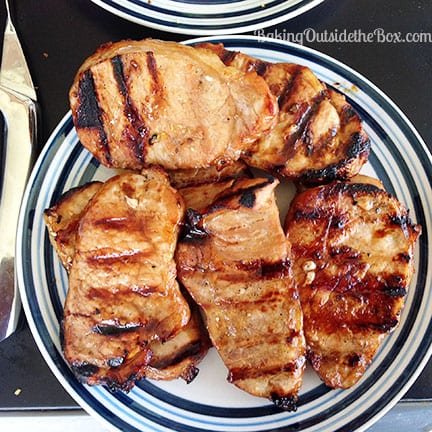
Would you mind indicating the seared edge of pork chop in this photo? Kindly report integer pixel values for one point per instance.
(212, 175)
(180, 356)
(62, 220)
(319, 136)
(138, 103)
(123, 292)
(353, 252)
(234, 260)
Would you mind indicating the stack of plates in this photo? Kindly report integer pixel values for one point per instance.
(207, 17)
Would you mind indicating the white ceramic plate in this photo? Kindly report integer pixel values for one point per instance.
(399, 158)
(206, 17)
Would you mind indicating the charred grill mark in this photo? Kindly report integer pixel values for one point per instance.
(228, 56)
(338, 222)
(360, 189)
(302, 133)
(83, 370)
(286, 403)
(328, 174)
(359, 145)
(113, 386)
(265, 270)
(383, 327)
(115, 328)
(110, 297)
(138, 133)
(286, 91)
(345, 251)
(348, 114)
(192, 227)
(248, 199)
(245, 195)
(404, 257)
(236, 374)
(190, 374)
(395, 291)
(395, 286)
(400, 220)
(119, 75)
(89, 113)
(258, 66)
(306, 215)
(130, 224)
(337, 189)
(152, 68)
(354, 359)
(110, 257)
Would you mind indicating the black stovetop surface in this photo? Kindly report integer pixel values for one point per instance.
(57, 35)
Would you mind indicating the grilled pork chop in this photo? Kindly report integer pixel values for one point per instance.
(318, 137)
(235, 262)
(352, 248)
(138, 103)
(177, 357)
(123, 292)
(63, 218)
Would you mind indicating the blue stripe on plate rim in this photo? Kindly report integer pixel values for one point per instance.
(98, 400)
(207, 19)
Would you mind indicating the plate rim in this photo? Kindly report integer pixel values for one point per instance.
(199, 30)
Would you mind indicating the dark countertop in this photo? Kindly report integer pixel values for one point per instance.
(57, 35)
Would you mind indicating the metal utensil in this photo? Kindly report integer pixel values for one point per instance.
(18, 130)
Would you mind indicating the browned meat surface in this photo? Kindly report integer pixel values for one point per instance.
(318, 137)
(177, 357)
(235, 262)
(190, 177)
(137, 103)
(352, 248)
(200, 196)
(180, 356)
(123, 291)
(62, 220)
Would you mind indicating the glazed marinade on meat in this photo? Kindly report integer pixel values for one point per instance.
(353, 248)
(234, 260)
(177, 357)
(123, 292)
(318, 136)
(329, 291)
(62, 220)
(138, 103)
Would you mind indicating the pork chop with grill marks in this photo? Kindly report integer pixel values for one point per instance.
(177, 357)
(234, 260)
(62, 220)
(352, 249)
(138, 103)
(123, 292)
(318, 137)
